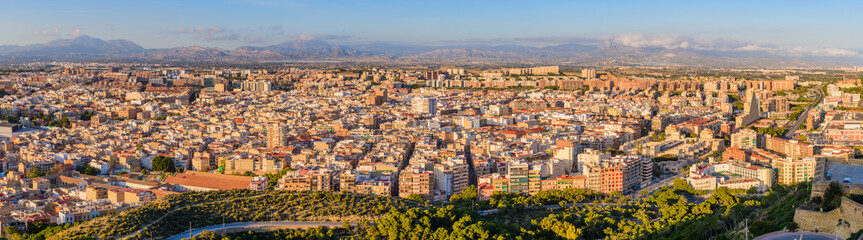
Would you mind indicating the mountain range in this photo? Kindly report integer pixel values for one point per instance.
(86, 48)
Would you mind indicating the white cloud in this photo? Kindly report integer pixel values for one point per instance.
(322, 37)
(689, 43)
(822, 52)
(58, 32)
(653, 41)
(753, 48)
(674, 42)
(209, 33)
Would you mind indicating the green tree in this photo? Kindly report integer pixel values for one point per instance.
(416, 197)
(34, 173)
(89, 170)
(682, 185)
(467, 194)
(832, 196)
(164, 164)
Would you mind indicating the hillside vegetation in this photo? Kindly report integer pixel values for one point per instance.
(173, 214)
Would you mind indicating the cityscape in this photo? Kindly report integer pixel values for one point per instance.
(250, 132)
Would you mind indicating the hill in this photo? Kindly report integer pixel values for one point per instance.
(172, 214)
(85, 48)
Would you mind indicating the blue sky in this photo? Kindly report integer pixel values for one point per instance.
(232, 23)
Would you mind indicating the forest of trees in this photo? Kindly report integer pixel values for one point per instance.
(210, 208)
(35, 231)
(673, 212)
(319, 233)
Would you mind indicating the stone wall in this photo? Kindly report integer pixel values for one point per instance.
(818, 188)
(843, 221)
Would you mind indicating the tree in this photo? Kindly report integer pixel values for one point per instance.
(12, 230)
(89, 170)
(681, 185)
(614, 152)
(416, 197)
(832, 196)
(34, 173)
(222, 166)
(467, 194)
(752, 190)
(164, 164)
(665, 157)
(792, 226)
(803, 138)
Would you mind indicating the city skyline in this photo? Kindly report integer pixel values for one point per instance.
(341, 119)
(791, 28)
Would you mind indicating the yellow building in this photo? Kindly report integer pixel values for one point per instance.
(791, 170)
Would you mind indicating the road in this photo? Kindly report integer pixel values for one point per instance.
(244, 225)
(789, 134)
(798, 235)
(657, 185)
(143, 228)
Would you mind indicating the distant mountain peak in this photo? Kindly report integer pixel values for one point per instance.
(85, 48)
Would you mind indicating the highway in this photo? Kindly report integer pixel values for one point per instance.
(792, 126)
(245, 225)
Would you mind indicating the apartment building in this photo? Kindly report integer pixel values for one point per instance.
(307, 179)
(619, 174)
(519, 177)
(416, 181)
(790, 148)
(747, 139)
(277, 136)
(793, 170)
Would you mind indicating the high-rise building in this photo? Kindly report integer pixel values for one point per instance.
(590, 156)
(203, 161)
(519, 173)
(751, 110)
(416, 181)
(499, 110)
(588, 73)
(789, 148)
(424, 105)
(256, 86)
(277, 136)
(451, 177)
(222, 87)
(433, 75)
(794, 170)
(747, 139)
(377, 98)
(348, 181)
(619, 174)
(534, 179)
(307, 179)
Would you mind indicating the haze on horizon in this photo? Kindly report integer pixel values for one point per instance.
(825, 28)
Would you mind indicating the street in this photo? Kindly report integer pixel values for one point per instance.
(657, 185)
(242, 225)
(792, 126)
